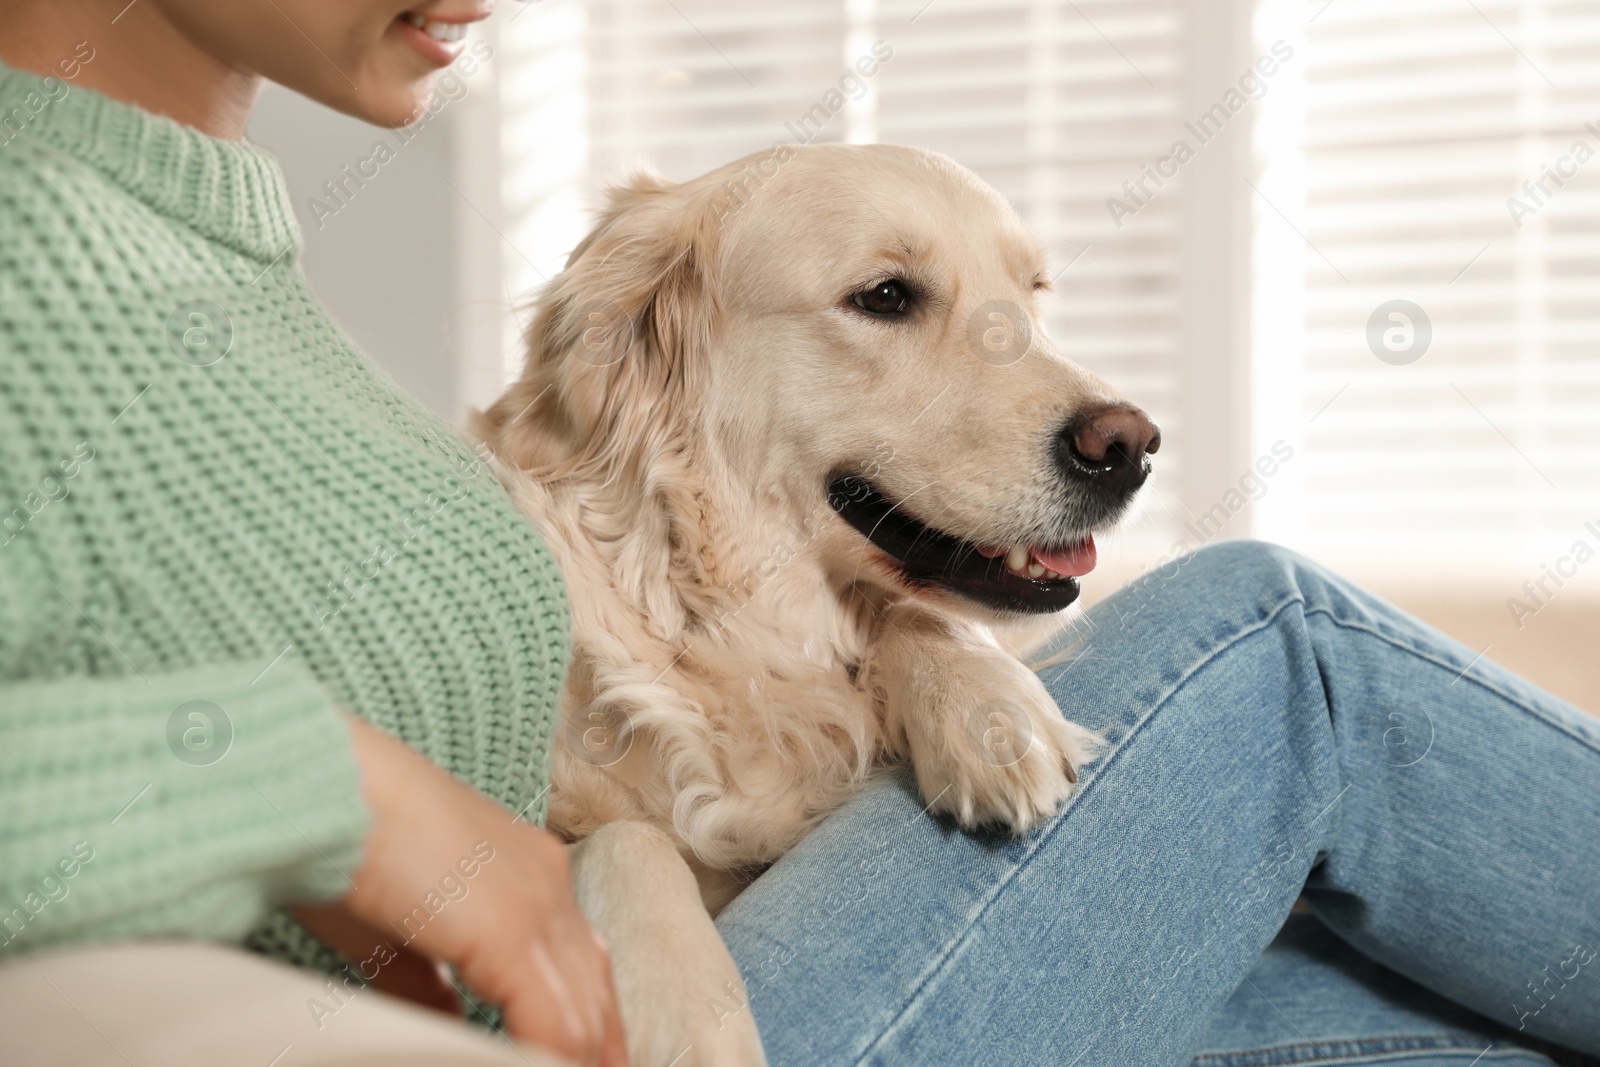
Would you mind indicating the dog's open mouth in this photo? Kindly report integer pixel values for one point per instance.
(1012, 578)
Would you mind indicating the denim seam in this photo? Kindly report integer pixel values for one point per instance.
(1359, 1050)
(1022, 863)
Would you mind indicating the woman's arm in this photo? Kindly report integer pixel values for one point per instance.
(180, 804)
(454, 876)
(188, 804)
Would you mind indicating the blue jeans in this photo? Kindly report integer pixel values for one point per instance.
(1275, 735)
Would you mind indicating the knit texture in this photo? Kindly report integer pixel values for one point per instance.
(219, 525)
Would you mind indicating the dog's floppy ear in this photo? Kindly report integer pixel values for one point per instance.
(610, 350)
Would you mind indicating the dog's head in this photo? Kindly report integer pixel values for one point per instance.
(849, 337)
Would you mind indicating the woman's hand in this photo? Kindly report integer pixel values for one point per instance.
(451, 875)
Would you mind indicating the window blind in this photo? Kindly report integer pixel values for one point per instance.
(1399, 157)
(1452, 159)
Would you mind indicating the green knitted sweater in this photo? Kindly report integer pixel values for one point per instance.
(219, 525)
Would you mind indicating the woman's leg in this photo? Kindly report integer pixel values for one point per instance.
(1272, 729)
(194, 1004)
(1312, 999)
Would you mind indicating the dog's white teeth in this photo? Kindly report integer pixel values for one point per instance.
(1020, 561)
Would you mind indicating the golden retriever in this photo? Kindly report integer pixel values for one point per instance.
(806, 459)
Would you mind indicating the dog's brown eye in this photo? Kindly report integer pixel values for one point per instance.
(885, 298)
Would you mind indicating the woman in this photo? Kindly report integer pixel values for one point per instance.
(263, 617)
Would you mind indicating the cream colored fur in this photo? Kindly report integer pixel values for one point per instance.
(742, 658)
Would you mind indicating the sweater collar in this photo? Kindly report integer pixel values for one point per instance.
(230, 192)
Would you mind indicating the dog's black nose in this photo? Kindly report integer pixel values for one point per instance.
(1110, 446)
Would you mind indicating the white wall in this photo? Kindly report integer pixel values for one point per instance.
(402, 259)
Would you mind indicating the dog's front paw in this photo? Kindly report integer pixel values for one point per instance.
(990, 746)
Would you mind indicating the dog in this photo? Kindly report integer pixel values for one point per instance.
(813, 473)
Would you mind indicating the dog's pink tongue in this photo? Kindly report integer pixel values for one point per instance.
(1075, 560)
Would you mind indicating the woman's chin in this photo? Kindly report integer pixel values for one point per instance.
(393, 106)
(394, 89)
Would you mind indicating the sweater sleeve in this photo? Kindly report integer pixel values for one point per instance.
(183, 804)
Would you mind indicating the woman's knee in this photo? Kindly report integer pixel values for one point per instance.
(1261, 563)
(1213, 576)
